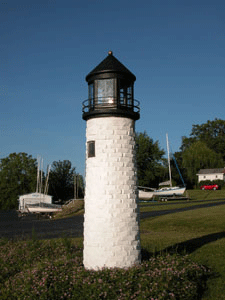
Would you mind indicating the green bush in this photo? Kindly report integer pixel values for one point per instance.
(220, 182)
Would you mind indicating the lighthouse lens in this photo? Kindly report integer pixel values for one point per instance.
(104, 92)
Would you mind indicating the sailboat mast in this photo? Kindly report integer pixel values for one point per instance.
(46, 184)
(40, 188)
(168, 152)
(37, 188)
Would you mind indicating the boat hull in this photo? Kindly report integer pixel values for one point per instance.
(42, 209)
(145, 195)
(174, 191)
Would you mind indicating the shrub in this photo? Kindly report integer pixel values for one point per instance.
(220, 183)
(54, 270)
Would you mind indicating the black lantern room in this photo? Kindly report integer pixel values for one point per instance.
(110, 91)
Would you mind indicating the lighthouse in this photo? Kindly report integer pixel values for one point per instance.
(111, 219)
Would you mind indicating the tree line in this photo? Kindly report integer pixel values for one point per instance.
(203, 149)
(18, 176)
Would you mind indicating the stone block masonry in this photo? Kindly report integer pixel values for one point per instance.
(111, 221)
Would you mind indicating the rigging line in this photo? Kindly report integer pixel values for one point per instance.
(177, 167)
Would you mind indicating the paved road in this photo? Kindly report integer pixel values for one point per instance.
(11, 226)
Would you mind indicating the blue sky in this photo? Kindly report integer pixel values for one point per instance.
(175, 48)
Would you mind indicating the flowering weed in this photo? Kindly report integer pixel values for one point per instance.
(54, 270)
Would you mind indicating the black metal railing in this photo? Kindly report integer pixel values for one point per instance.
(104, 103)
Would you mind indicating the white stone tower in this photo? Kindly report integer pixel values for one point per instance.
(111, 221)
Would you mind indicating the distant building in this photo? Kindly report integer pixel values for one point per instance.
(211, 174)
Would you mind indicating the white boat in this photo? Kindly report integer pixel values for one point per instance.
(147, 193)
(43, 208)
(171, 190)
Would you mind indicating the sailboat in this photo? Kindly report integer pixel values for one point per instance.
(171, 190)
(38, 202)
(146, 193)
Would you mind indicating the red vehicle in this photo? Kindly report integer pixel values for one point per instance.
(209, 187)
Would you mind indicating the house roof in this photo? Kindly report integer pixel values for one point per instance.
(211, 171)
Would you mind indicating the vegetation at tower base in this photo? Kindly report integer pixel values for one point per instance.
(18, 176)
(53, 269)
(151, 164)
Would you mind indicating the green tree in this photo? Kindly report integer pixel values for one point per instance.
(212, 133)
(150, 161)
(199, 156)
(61, 180)
(18, 173)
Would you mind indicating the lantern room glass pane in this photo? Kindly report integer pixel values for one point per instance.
(125, 93)
(91, 91)
(129, 95)
(104, 91)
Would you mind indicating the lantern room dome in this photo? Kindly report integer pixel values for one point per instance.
(110, 65)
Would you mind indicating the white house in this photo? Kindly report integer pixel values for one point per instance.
(211, 174)
(33, 198)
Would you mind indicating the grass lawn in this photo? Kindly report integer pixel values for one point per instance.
(157, 206)
(75, 208)
(206, 195)
(199, 233)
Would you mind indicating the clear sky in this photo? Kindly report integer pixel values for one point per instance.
(175, 48)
